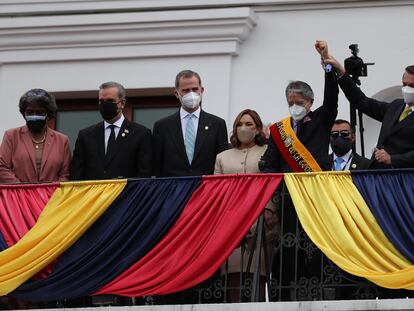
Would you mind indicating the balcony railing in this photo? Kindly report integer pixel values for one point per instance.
(298, 271)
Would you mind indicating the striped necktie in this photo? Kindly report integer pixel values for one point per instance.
(189, 139)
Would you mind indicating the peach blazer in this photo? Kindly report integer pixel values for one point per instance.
(17, 157)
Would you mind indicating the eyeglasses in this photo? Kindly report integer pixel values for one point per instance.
(336, 134)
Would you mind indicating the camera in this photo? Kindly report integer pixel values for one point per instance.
(355, 66)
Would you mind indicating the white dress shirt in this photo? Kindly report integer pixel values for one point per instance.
(184, 120)
(346, 163)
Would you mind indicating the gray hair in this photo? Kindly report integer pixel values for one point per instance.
(300, 87)
(121, 89)
(40, 97)
(186, 74)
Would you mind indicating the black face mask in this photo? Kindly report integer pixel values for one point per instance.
(109, 110)
(340, 145)
(35, 125)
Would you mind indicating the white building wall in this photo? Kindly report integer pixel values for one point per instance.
(280, 49)
(245, 51)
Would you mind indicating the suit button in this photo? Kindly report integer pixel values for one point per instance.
(104, 172)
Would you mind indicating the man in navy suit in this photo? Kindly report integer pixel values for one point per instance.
(115, 147)
(187, 142)
(395, 146)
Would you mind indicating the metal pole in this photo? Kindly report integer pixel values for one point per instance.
(256, 275)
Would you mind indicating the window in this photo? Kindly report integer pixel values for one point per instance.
(75, 114)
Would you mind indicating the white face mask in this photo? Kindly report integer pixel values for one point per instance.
(297, 112)
(191, 100)
(246, 134)
(408, 93)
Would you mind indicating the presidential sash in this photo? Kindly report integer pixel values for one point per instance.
(293, 151)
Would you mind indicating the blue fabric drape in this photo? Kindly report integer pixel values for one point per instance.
(132, 225)
(390, 196)
(3, 244)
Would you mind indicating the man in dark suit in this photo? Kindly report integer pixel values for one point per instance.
(187, 142)
(312, 128)
(301, 138)
(342, 157)
(395, 146)
(115, 147)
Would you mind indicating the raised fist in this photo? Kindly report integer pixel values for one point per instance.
(322, 48)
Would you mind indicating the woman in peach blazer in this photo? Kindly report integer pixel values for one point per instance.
(248, 140)
(34, 152)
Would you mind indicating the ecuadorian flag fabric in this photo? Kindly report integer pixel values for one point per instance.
(158, 236)
(362, 221)
(127, 237)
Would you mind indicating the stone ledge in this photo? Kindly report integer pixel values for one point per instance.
(54, 7)
(124, 35)
(344, 305)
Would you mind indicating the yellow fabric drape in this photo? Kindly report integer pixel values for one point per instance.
(336, 218)
(71, 210)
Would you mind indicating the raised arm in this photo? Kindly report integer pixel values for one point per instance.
(371, 107)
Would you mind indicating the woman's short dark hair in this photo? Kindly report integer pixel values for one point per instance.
(260, 138)
(41, 97)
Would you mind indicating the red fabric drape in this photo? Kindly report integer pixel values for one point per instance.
(20, 207)
(215, 220)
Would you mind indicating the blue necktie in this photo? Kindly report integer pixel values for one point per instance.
(338, 164)
(189, 139)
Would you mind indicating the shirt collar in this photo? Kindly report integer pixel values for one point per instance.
(118, 123)
(345, 157)
(184, 113)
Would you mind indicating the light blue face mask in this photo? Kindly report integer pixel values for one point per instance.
(35, 117)
(35, 123)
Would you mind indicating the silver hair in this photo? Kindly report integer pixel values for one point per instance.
(121, 89)
(300, 87)
(40, 97)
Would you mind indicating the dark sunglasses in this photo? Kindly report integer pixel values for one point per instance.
(336, 134)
